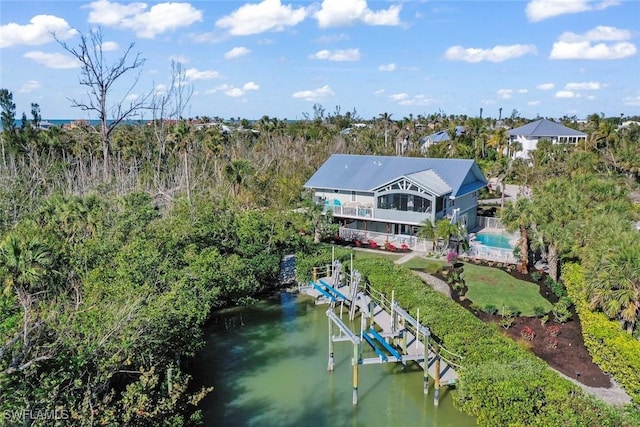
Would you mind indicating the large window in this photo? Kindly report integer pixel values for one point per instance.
(404, 202)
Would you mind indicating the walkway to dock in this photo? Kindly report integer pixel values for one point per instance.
(393, 333)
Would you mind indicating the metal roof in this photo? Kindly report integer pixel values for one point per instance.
(544, 127)
(352, 172)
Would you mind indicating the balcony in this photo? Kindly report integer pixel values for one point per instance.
(349, 210)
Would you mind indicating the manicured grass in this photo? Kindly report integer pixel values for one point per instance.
(492, 286)
(424, 264)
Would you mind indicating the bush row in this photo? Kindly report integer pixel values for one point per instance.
(500, 382)
(613, 349)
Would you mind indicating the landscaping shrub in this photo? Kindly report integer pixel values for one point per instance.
(490, 309)
(539, 311)
(613, 349)
(556, 287)
(536, 275)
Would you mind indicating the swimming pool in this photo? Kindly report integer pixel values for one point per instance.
(494, 240)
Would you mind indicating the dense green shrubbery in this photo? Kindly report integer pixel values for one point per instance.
(500, 383)
(614, 350)
(102, 297)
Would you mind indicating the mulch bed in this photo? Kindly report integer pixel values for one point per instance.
(570, 356)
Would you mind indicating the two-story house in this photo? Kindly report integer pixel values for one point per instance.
(396, 194)
(529, 135)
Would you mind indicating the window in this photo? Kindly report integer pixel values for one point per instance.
(353, 196)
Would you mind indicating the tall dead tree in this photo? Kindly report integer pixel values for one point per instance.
(100, 77)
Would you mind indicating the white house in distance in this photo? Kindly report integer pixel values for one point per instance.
(529, 135)
(395, 195)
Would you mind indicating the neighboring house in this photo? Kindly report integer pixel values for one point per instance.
(396, 194)
(529, 135)
(434, 138)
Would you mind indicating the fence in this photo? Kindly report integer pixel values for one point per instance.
(488, 222)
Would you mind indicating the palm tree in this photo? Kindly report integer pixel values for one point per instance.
(520, 215)
(386, 121)
(236, 172)
(498, 140)
(613, 280)
(23, 264)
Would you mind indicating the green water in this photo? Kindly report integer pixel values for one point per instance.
(268, 366)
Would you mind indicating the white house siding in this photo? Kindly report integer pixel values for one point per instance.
(527, 146)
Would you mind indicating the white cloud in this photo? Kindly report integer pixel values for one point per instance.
(566, 94)
(160, 18)
(533, 103)
(268, 15)
(523, 90)
(407, 100)
(337, 55)
(232, 91)
(109, 46)
(387, 67)
(335, 13)
(591, 97)
(237, 52)
(545, 86)
(496, 54)
(538, 10)
(53, 60)
(250, 86)
(633, 101)
(38, 31)
(315, 94)
(132, 97)
(581, 46)
(30, 86)
(505, 93)
(599, 33)
(195, 74)
(379, 92)
(585, 50)
(584, 86)
(160, 89)
(399, 96)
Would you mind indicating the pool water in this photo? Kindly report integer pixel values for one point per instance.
(494, 240)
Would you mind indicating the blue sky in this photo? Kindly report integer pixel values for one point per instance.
(279, 58)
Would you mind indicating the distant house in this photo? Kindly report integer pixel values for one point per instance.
(529, 135)
(441, 136)
(396, 194)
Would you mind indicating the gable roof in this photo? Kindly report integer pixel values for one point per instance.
(352, 172)
(543, 127)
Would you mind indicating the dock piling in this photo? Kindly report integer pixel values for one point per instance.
(436, 378)
(331, 362)
(356, 354)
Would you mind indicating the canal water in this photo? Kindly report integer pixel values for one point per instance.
(268, 366)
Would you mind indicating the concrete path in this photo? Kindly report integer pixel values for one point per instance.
(437, 284)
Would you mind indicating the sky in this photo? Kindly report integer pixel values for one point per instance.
(279, 58)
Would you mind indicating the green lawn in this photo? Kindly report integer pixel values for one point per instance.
(492, 286)
(424, 264)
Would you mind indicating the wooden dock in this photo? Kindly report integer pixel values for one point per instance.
(394, 334)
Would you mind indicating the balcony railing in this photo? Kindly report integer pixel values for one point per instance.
(350, 211)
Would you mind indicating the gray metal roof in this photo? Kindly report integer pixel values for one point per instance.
(429, 179)
(365, 173)
(543, 127)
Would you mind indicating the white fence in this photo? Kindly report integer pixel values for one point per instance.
(488, 222)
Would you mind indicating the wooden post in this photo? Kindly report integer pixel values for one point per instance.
(315, 274)
(425, 379)
(330, 365)
(436, 378)
(356, 354)
(394, 316)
